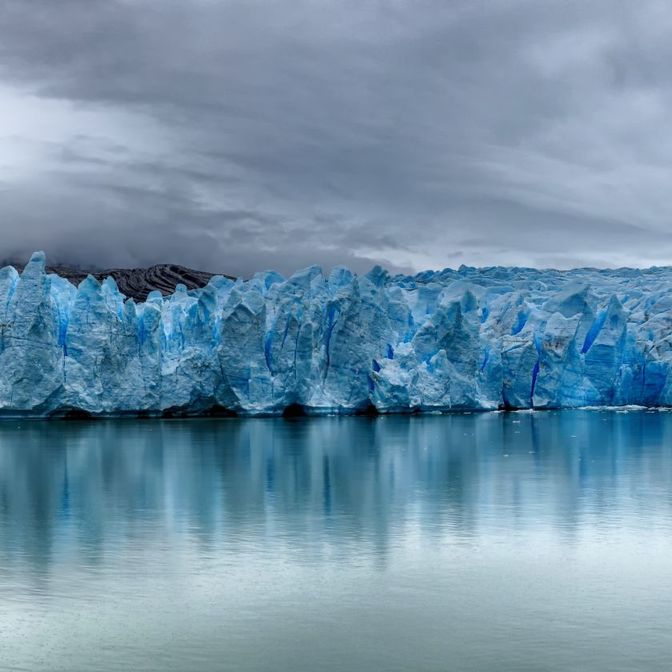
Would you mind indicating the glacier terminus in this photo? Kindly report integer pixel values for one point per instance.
(466, 339)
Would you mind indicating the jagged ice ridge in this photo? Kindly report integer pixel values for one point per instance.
(471, 339)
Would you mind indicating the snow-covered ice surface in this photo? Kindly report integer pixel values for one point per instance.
(471, 339)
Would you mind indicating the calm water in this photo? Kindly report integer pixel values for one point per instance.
(469, 542)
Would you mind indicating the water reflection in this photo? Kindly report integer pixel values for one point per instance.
(476, 542)
(326, 487)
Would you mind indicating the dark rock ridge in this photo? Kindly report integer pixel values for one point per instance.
(137, 283)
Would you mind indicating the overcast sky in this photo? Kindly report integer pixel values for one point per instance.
(236, 136)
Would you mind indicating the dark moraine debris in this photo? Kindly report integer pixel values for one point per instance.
(137, 283)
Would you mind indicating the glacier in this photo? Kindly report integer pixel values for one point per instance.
(452, 340)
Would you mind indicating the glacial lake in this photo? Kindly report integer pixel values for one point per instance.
(496, 541)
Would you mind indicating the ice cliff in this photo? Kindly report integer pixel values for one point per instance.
(468, 339)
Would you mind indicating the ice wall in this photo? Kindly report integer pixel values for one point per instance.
(438, 341)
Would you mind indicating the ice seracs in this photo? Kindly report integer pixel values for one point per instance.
(471, 339)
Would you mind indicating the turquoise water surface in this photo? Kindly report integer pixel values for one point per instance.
(499, 541)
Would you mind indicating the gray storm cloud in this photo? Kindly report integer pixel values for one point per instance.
(234, 136)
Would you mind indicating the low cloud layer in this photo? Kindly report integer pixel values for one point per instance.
(235, 136)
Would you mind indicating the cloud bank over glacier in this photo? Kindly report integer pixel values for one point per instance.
(240, 135)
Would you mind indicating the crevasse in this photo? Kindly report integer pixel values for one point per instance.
(471, 339)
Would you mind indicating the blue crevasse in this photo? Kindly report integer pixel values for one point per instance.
(467, 339)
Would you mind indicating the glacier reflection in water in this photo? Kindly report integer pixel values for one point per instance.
(496, 541)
